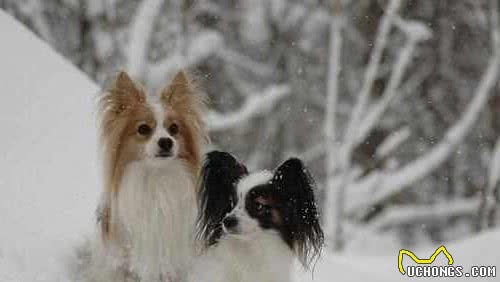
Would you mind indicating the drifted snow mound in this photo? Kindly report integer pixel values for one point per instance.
(48, 172)
(476, 251)
(50, 185)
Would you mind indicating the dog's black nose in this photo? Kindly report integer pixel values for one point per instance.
(165, 143)
(230, 222)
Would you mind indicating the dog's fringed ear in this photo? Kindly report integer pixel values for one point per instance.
(119, 95)
(217, 193)
(183, 91)
(123, 85)
(177, 88)
(124, 82)
(296, 188)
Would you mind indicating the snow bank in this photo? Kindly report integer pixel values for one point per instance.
(479, 250)
(48, 172)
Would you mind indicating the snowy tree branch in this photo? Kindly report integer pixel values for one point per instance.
(398, 215)
(253, 106)
(415, 32)
(372, 68)
(201, 46)
(392, 141)
(237, 59)
(140, 35)
(333, 207)
(397, 181)
(488, 198)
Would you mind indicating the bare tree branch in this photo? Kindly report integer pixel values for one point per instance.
(415, 33)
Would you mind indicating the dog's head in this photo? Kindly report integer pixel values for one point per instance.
(149, 130)
(242, 205)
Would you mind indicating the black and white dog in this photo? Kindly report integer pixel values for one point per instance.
(255, 225)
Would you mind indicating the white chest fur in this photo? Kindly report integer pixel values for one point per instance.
(263, 259)
(156, 208)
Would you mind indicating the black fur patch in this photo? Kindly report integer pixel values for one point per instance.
(217, 193)
(295, 189)
(287, 205)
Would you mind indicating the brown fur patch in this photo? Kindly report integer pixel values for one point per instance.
(271, 202)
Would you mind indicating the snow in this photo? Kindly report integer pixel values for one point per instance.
(477, 250)
(49, 174)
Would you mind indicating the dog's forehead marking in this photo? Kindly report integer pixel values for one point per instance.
(159, 112)
(252, 180)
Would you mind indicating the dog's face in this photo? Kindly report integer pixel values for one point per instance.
(280, 203)
(150, 134)
(157, 133)
(134, 128)
(257, 207)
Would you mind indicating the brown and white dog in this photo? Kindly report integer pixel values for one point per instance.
(152, 155)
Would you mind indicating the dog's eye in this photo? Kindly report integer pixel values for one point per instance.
(260, 208)
(173, 129)
(144, 129)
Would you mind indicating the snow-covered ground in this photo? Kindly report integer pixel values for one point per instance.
(50, 182)
(48, 169)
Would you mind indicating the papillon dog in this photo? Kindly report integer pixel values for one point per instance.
(255, 225)
(152, 152)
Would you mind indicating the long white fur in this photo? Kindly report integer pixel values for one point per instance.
(156, 209)
(264, 258)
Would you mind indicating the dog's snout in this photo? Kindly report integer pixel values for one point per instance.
(230, 222)
(165, 143)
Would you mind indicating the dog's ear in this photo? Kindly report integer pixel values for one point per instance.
(296, 189)
(217, 193)
(180, 86)
(124, 82)
(125, 86)
(120, 95)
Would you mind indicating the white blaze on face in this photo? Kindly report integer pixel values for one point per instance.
(152, 148)
(248, 225)
(252, 180)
